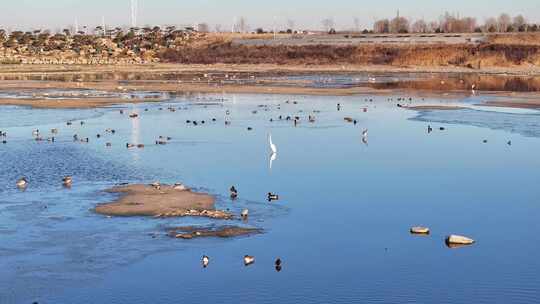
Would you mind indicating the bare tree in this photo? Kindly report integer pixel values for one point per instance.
(381, 26)
(327, 24)
(420, 26)
(490, 25)
(433, 26)
(242, 26)
(399, 25)
(503, 22)
(520, 23)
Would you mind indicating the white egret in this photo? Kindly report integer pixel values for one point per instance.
(272, 146)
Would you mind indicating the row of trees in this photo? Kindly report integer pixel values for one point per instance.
(449, 23)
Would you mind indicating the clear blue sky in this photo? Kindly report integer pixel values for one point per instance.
(306, 13)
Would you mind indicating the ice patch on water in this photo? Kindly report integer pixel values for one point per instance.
(525, 124)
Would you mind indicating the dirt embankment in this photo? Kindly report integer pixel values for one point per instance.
(468, 56)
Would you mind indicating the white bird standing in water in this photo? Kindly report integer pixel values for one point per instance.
(272, 146)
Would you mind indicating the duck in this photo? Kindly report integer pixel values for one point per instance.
(54, 131)
(509, 143)
(22, 182)
(67, 181)
(248, 260)
(156, 185)
(108, 144)
(35, 132)
(365, 133)
(244, 214)
(205, 261)
(129, 146)
(234, 192)
(429, 129)
(272, 197)
(278, 262)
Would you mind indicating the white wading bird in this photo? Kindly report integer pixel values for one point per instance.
(273, 147)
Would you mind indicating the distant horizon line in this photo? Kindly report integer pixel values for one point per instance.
(282, 25)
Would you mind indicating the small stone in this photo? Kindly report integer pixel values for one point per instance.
(459, 240)
(420, 230)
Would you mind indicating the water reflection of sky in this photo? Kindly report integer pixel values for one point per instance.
(341, 226)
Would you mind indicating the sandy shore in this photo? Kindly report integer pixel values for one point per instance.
(76, 103)
(146, 200)
(17, 70)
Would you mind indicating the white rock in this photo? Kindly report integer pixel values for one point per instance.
(420, 230)
(459, 240)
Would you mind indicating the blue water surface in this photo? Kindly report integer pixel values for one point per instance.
(341, 225)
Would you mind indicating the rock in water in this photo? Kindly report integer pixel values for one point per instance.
(459, 240)
(419, 230)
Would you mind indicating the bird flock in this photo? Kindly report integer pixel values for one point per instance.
(247, 260)
(296, 120)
